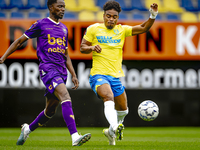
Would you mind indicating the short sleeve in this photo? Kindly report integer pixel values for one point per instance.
(128, 30)
(33, 31)
(66, 39)
(89, 34)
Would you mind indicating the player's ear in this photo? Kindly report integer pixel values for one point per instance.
(50, 7)
(104, 16)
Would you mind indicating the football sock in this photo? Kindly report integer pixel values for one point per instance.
(41, 119)
(75, 136)
(27, 130)
(111, 116)
(68, 116)
(121, 115)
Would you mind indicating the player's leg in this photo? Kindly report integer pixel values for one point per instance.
(122, 111)
(101, 86)
(62, 94)
(46, 114)
(41, 119)
(121, 106)
(105, 93)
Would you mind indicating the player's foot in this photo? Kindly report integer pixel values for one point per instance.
(119, 132)
(110, 138)
(82, 139)
(24, 135)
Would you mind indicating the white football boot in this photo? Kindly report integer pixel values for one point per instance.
(24, 134)
(81, 140)
(110, 138)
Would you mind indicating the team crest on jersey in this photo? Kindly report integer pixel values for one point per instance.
(64, 30)
(116, 31)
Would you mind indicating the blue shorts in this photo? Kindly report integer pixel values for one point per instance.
(115, 83)
(52, 79)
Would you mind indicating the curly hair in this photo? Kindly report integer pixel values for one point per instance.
(50, 2)
(112, 5)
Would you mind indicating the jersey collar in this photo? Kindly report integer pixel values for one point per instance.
(53, 21)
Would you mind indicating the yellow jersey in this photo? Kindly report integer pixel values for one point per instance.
(111, 41)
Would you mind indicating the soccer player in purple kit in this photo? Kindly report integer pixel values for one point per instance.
(53, 64)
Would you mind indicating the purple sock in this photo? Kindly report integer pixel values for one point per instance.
(39, 121)
(68, 116)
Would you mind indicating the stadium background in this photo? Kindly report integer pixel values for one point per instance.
(162, 65)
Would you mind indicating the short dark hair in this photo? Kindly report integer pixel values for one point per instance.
(112, 5)
(50, 2)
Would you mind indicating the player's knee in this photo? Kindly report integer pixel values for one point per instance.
(125, 108)
(121, 107)
(107, 97)
(50, 112)
(65, 96)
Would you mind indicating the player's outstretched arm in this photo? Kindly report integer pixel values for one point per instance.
(71, 70)
(145, 26)
(86, 47)
(13, 47)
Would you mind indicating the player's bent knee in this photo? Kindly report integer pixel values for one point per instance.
(65, 96)
(107, 97)
(50, 112)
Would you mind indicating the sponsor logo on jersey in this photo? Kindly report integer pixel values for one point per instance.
(52, 40)
(60, 41)
(58, 49)
(107, 39)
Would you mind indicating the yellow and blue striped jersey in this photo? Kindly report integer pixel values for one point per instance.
(109, 61)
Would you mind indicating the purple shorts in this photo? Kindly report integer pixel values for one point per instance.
(52, 79)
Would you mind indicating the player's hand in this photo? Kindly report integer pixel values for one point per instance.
(76, 83)
(96, 48)
(154, 7)
(153, 10)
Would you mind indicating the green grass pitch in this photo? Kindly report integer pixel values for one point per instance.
(136, 138)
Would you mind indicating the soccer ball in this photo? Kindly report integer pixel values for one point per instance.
(148, 110)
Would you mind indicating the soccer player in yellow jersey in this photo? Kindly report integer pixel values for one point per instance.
(105, 41)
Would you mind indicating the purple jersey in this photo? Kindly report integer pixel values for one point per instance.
(51, 44)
